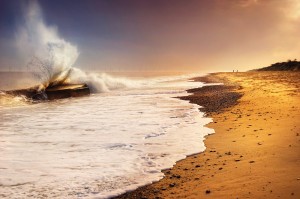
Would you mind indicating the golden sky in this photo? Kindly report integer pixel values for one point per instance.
(177, 35)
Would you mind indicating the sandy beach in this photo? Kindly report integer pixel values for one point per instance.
(255, 152)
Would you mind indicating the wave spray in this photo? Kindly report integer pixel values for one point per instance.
(51, 58)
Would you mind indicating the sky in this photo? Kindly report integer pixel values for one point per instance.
(162, 35)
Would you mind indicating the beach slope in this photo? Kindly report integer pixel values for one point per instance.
(255, 152)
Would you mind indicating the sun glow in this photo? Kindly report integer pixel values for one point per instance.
(294, 10)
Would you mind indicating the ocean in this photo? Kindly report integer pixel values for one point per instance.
(115, 140)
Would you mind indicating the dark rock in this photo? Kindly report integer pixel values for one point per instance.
(66, 91)
(53, 92)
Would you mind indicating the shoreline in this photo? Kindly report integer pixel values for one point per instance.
(245, 158)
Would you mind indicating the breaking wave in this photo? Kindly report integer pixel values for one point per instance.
(50, 58)
(99, 83)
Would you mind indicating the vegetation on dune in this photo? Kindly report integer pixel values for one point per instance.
(282, 66)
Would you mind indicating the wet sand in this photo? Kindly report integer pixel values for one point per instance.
(255, 152)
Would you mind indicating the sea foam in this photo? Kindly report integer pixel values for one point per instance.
(99, 146)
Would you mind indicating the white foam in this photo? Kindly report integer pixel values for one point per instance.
(99, 83)
(98, 146)
(7, 100)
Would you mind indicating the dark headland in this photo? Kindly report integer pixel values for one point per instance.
(282, 66)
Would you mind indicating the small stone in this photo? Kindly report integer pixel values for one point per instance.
(251, 161)
(176, 176)
(172, 185)
(207, 191)
(155, 191)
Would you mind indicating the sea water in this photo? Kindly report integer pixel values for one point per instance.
(101, 145)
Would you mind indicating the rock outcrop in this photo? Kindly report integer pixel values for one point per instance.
(53, 92)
